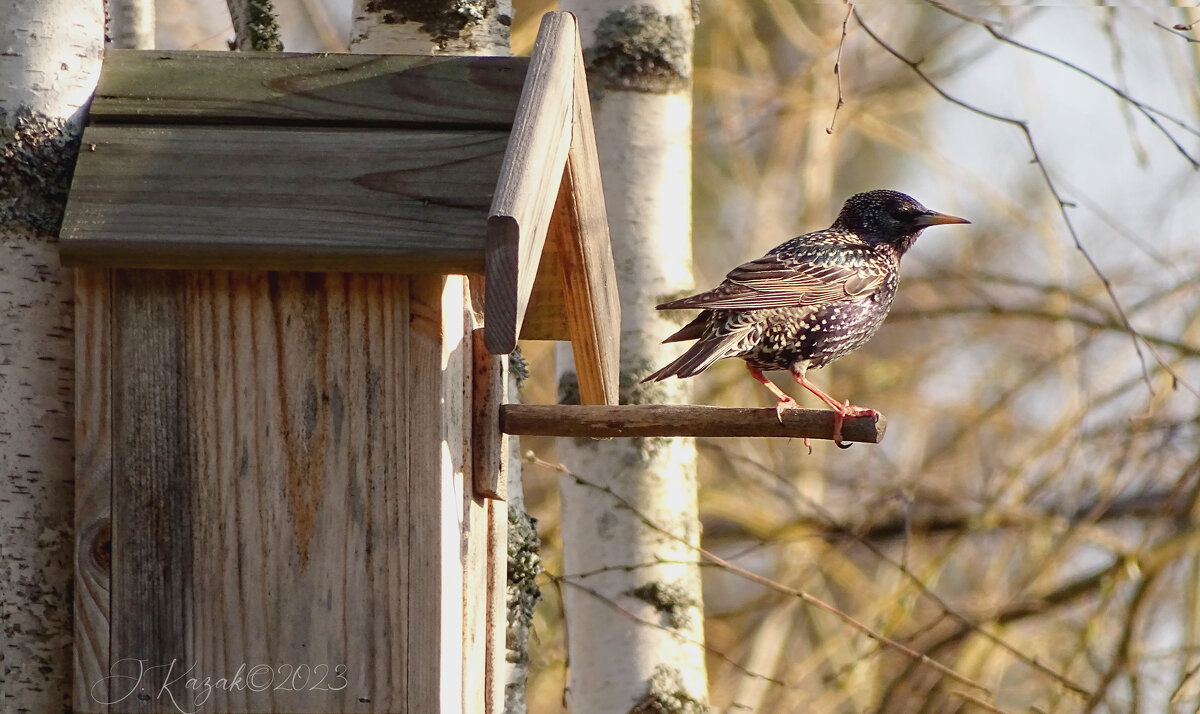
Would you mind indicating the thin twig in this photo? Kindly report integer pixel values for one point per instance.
(1177, 695)
(962, 620)
(1062, 203)
(1040, 313)
(914, 655)
(976, 701)
(567, 580)
(837, 68)
(1175, 31)
(1145, 109)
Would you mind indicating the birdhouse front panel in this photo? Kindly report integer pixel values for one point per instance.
(291, 518)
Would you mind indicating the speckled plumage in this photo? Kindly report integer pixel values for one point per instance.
(809, 301)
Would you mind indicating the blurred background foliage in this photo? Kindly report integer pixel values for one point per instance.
(1030, 521)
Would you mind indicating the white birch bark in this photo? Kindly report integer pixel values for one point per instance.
(131, 24)
(647, 651)
(451, 27)
(49, 61)
(455, 27)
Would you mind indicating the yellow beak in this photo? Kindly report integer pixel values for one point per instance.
(933, 218)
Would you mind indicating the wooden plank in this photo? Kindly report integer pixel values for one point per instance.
(424, 459)
(488, 444)
(529, 179)
(261, 490)
(589, 280)
(546, 315)
(347, 200)
(495, 671)
(681, 420)
(330, 89)
(152, 480)
(474, 523)
(93, 489)
(298, 384)
(438, 494)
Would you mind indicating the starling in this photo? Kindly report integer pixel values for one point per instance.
(809, 301)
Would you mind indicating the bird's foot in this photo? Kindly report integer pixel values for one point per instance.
(848, 411)
(785, 404)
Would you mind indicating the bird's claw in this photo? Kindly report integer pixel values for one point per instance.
(783, 406)
(848, 411)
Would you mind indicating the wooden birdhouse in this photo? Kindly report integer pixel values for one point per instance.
(289, 458)
(297, 277)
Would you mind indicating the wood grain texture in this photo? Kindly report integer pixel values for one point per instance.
(348, 200)
(152, 480)
(546, 315)
(300, 381)
(489, 445)
(329, 89)
(529, 179)
(436, 495)
(261, 480)
(93, 489)
(496, 605)
(589, 279)
(681, 420)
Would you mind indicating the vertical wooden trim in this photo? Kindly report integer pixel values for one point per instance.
(435, 495)
(495, 649)
(151, 498)
(424, 470)
(488, 443)
(93, 488)
(454, 492)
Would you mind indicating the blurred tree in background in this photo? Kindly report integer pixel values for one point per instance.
(1030, 520)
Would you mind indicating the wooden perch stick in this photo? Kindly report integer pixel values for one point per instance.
(681, 420)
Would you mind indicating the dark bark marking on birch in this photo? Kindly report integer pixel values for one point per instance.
(639, 49)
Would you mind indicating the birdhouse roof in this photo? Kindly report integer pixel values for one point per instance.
(362, 163)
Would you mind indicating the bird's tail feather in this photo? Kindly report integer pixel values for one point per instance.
(698, 358)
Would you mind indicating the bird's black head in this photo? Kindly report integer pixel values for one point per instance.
(889, 217)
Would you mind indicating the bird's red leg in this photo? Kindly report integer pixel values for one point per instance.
(841, 411)
(785, 402)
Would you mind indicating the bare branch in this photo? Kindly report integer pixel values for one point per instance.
(837, 67)
(915, 656)
(963, 621)
(1145, 109)
(1050, 185)
(570, 580)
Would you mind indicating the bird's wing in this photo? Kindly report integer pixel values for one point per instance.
(781, 281)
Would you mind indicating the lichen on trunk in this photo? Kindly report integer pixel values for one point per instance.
(640, 49)
(37, 157)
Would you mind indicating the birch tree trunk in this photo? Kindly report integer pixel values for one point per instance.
(48, 70)
(458, 27)
(647, 651)
(438, 27)
(131, 24)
